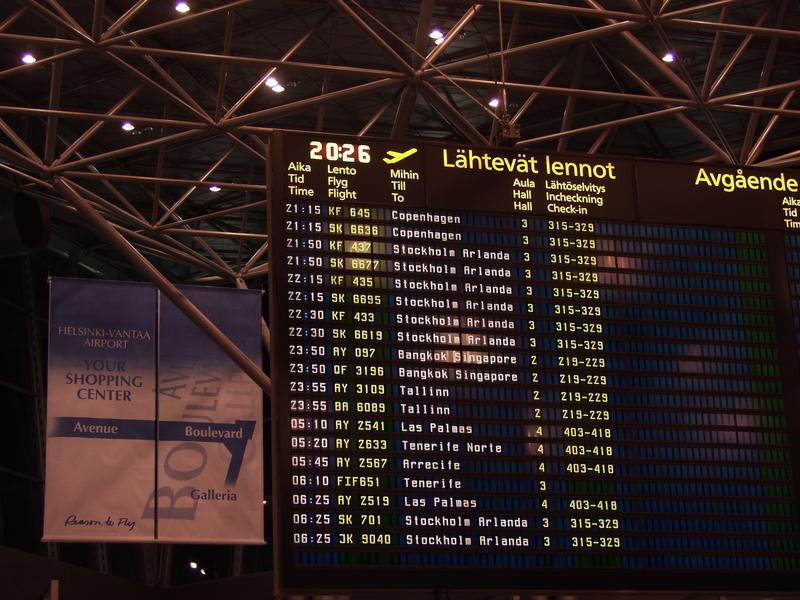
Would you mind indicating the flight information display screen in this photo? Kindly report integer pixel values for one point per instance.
(500, 369)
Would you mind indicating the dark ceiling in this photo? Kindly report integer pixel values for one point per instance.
(577, 75)
(570, 75)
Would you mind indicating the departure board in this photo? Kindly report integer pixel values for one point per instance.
(506, 370)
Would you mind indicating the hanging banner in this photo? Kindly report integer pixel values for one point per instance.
(101, 406)
(154, 434)
(210, 463)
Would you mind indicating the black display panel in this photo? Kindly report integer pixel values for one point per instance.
(505, 370)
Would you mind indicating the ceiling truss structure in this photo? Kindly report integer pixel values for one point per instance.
(184, 181)
(582, 75)
(187, 186)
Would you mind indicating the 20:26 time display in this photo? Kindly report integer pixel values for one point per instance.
(339, 152)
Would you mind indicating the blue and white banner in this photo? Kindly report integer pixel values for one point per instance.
(210, 463)
(154, 434)
(101, 407)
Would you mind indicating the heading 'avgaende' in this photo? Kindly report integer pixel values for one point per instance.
(730, 182)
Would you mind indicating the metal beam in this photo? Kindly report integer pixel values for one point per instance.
(681, 117)
(12, 18)
(109, 38)
(762, 110)
(64, 14)
(251, 263)
(790, 158)
(213, 215)
(89, 133)
(106, 231)
(123, 20)
(97, 19)
(402, 117)
(178, 88)
(766, 74)
(148, 244)
(548, 44)
(599, 126)
(378, 114)
(260, 81)
(569, 108)
(543, 83)
(162, 180)
(573, 10)
(735, 56)
(19, 143)
(188, 106)
(562, 91)
(130, 218)
(111, 115)
(452, 116)
(68, 25)
(326, 81)
(758, 147)
(177, 204)
(20, 159)
(408, 98)
(206, 57)
(300, 105)
(772, 32)
(655, 61)
(686, 79)
(451, 35)
(40, 62)
(223, 68)
(711, 66)
(690, 10)
(132, 149)
(601, 139)
(376, 37)
(764, 91)
(52, 121)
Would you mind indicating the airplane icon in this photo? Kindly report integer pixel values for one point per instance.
(394, 157)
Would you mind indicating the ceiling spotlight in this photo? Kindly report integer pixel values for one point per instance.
(127, 126)
(182, 7)
(436, 34)
(271, 82)
(668, 57)
(438, 41)
(278, 88)
(214, 188)
(494, 102)
(192, 565)
(28, 58)
(202, 571)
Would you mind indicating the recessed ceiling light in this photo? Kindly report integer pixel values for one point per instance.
(28, 58)
(128, 126)
(438, 41)
(202, 571)
(182, 7)
(494, 102)
(192, 565)
(214, 188)
(271, 82)
(278, 88)
(436, 34)
(668, 57)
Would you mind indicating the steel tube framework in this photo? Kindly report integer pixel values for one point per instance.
(190, 185)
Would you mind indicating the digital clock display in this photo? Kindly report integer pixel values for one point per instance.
(339, 152)
(530, 371)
